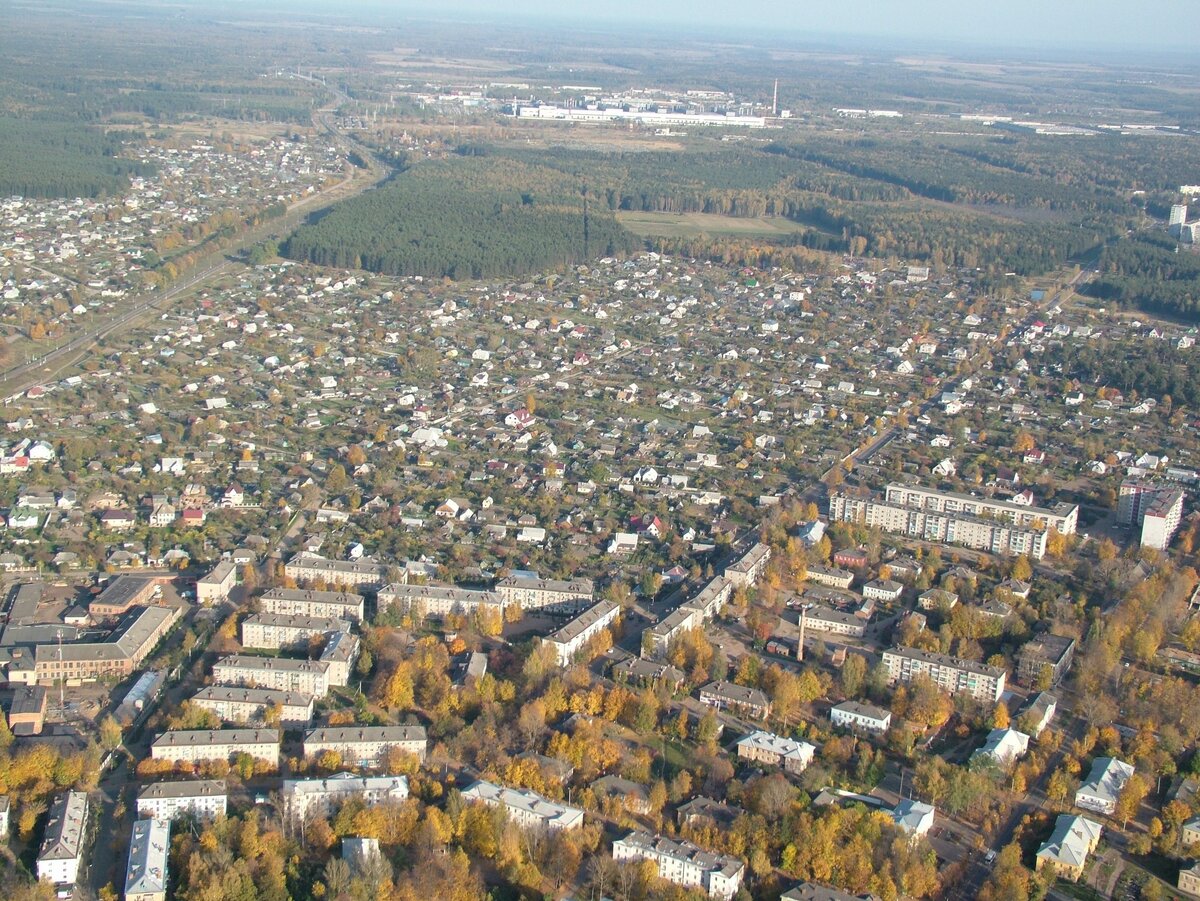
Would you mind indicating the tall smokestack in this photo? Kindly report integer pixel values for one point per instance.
(775, 99)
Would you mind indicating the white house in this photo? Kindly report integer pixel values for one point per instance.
(1103, 785)
(859, 717)
(1004, 746)
(914, 817)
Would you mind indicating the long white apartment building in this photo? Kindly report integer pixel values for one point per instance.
(197, 745)
(365, 746)
(146, 866)
(951, 674)
(571, 638)
(321, 797)
(683, 863)
(310, 677)
(532, 593)
(275, 631)
(303, 602)
(749, 568)
(63, 841)
(438, 600)
(238, 704)
(526, 808)
(205, 799)
(307, 567)
(977, 532)
(1063, 517)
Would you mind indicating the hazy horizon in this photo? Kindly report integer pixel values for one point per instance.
(1069, 24)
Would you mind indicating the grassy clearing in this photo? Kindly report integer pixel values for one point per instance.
(686, 225)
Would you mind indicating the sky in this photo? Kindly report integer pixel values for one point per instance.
(1117, 24)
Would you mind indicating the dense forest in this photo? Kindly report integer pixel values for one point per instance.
(1152, 369)
(1148, 272)
(464, 217)
(846, 212)
(41, 158)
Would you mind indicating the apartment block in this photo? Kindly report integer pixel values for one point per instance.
(532, 593)
(215, 587)
(196, 745)
(526, 808)
(980, 533)
(252, 706)
(303, 798)
(301, 602)
(310, 677)
(571, 638)
(63, 842)
(1156, 509)
(739, 698)
(315, 568)
(340, 655)
(276, 631)
(746, 571)
(146, 868)
(365, 746)
(1046, 654)
(951, 674)
(438, 601)
(858, 717)
(205, 799)
(683, 863)
(773, 750)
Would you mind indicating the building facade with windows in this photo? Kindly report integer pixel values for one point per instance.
(951, 674)
(365, 746)
(205, 799)
(683, 863)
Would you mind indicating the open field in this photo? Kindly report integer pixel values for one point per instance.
(683, 225)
